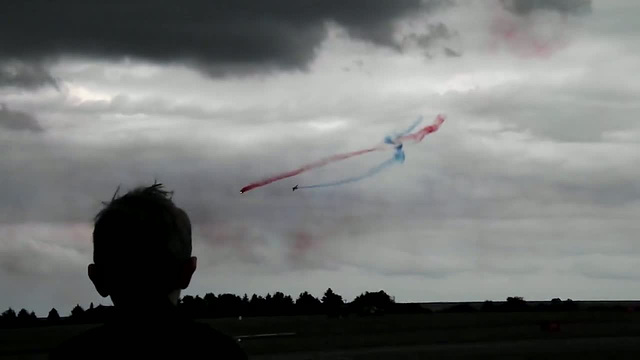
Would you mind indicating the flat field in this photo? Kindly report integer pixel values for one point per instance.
(574, 335)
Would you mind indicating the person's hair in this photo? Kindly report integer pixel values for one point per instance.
(141, 238)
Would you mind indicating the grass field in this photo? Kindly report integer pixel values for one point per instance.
(580, 335)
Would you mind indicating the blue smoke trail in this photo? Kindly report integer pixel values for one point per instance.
(412, 127)
(398, 157)
(390, 139)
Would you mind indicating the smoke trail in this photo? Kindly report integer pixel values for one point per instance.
(398, 157)
(396, 141)
(308, 167)
(418, 136)
(390, 139)
(413, 126)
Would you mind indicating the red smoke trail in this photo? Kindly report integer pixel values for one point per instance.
(419, 135)
(308, 167)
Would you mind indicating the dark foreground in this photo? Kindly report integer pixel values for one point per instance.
(571, 335)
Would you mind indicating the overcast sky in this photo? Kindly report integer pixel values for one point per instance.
(529, 189)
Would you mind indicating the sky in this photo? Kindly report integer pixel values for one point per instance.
(528, 189)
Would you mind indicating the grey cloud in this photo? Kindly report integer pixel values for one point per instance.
(216, 36)
(451, 53)
(493, 204)
(600, 266)
(444, 223)
(568, 7)
(23, 256)
(26, 75)
(18, 120)
(389, 261)
(153, 106)
(553, 114)
(434, 33)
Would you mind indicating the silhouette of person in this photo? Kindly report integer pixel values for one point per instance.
(142, 259)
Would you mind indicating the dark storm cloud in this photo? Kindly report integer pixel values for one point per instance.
(18, 120)
(216, 36)
(25, 75)
(567, 7)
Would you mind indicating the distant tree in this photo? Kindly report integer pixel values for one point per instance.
(210, 297)
(211, 301)
(281, 304)
(379, 300)
(199, 307)
(332, 303)
(245, 307)
(229, 305)
(26, 318)
(331, 299)
(257, 305)
(515, 303)
(23, 314)
(53, 315)
(8, 318)
(308, 304)
(556, 304)
(77, 313)
(9, 314)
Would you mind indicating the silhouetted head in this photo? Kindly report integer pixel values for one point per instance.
(142, 248)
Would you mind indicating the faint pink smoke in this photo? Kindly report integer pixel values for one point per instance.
(302, 243)
(532, 36)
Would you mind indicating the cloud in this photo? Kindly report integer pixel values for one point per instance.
(600, 266)
(25, 75)
(627, 135)
(566, 7)
(38, 249)
(434, 35)
(533, 174)
(18, 120)
(218, 37)
(535, 28)
(451, 53)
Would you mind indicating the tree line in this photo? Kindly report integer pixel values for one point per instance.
(330, 304)
(223, 305)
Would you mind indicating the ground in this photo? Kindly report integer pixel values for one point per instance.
(572, 335)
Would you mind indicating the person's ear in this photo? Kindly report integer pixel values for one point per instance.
(186, 272)
(98, 279)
